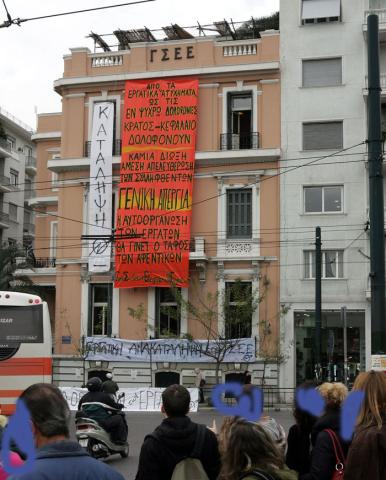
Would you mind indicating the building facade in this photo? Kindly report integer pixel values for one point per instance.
(17, 175)
(324, 123)
(235, 213)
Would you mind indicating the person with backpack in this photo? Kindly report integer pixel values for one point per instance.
(178, 449)
(249, 453)
(367, 453)
(329, 451)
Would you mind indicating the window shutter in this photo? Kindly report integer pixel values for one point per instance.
(322, 73)
(320, 136)
(320, 9)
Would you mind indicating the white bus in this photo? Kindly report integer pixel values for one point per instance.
(25, 346)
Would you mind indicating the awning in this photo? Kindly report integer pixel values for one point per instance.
(320, 9)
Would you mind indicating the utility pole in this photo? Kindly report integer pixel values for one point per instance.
(377, 239)
(318, 303)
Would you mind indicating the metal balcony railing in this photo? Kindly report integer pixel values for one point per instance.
(239, 141)
(42, 262)
(116, 148)
(30, 161)
(4, 144)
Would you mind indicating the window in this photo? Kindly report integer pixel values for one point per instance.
(238, 309)
(240, 121)
(27, 151)
(239, 213)
(11, 142)
(100, 309)
(323, 199)
(320, 11)
(168, 313)
(12, 212)
(322, 72)
(332, 264)
(54, 180)
(377, 4)
(322, 135)
(14, 177)
(53, 239)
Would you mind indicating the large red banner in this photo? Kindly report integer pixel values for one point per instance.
(156, 183)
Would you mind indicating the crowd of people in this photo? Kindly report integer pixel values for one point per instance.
(182, 449)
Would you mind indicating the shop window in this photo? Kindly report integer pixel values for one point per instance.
(238, 309)
(323, 199)
(322, 135)
(239, 213)
(322, 72)
(332, 264)
(320, 11)
(100, 311)
(168, 313)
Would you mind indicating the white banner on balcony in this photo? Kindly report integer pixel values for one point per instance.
(100, 196)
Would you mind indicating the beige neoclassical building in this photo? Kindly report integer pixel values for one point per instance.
(235, 214)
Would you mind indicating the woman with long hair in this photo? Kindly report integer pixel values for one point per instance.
(248, 452)
(325, 435)
(367, 454)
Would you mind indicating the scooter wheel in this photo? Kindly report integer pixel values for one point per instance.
(125, 452)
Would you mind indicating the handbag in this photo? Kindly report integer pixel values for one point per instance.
(339, 456)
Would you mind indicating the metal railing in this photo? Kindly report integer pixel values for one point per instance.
(381, 12)
(239, 141)
(273, 397)
(42, 262)
(30, 161)
(4, 217)
(4, 144)
(116, 148)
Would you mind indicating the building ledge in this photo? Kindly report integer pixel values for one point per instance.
(43, 201)
(46, 135)
(213, 157)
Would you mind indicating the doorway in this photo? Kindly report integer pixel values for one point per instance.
(165, 379)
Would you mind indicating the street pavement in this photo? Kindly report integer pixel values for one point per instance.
(140, 424)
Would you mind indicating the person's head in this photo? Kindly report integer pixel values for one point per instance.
(304, 420)
(333, 394)
(197, 371)
(175, 401)
(94, 384)
(248, 447)
(373, 384)
(50, 414)
(109, 376)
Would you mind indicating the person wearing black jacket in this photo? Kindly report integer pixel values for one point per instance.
(323, 459)
(114, 424)
(298, 456)
(174, 440)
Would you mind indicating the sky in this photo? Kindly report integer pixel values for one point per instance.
(32, 54)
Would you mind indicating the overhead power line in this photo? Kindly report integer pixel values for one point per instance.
(19, 21)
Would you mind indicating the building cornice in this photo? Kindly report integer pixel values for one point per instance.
(46, 135)
(97, 79)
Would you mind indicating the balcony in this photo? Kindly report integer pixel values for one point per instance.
(106, 60)
(5, 148)
(239, 141)
(383, 85)
(6, 186)
(117, 144)
(28, 194)
(30, 165)
(42, 262)
(28, 229)
(4, 220)
(238, 249)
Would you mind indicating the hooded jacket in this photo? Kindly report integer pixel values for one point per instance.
(367, 454)
(175, 441)
(65, 459)
(323, 456)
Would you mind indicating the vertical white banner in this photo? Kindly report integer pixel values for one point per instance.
(100, 196)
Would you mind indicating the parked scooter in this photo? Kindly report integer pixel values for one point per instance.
(94, 438)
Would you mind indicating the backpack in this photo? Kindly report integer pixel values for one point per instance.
(190, 467)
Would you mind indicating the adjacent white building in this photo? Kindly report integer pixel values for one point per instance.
(323, 98)
(17, 172)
